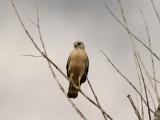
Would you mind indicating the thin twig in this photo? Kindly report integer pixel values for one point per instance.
(126, 79)
(137, 101)
(106, 5)
(134, 107)
(33, 55)
(151, 98)
(97, 100)
(155, 10)
(95, 104)
(32, 22)
(133, 49)
(40, 35)
(153, 68)
(140, 84)
(155, 80)
(145, 90)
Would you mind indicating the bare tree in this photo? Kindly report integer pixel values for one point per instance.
(142, 72)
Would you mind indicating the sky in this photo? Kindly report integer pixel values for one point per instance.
(27, 89)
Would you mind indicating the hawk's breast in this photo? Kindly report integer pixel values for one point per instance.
(77, 62)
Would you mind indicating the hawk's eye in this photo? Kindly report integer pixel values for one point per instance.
(79, 43)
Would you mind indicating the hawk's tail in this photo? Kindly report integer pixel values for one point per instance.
(72, 91)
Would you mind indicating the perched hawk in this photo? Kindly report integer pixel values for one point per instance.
(77, 68)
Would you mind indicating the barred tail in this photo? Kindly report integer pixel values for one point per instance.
(72, 91)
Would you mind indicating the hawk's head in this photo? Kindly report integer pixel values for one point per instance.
(79, 45)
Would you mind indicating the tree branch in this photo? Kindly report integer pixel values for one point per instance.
(125, 79)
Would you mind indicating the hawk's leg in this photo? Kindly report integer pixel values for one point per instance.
(71, 79)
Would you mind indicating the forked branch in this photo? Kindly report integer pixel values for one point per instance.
(126, 79)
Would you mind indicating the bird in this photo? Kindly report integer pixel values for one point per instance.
(77, 68)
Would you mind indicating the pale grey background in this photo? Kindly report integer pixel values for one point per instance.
(27, 89)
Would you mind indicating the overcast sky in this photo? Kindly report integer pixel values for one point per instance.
(27, 89)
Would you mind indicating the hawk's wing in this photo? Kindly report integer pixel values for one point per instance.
(85, 73)
(67, 66)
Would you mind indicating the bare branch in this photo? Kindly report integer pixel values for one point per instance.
(40, 36)
(96, 105)
(33, 55)
(134, 107)
(97, 100)
(126, 79)
(155, 10)
(153, 68)
(151, 98)
(145, 90)
(155, 80)
(106, 5)
(140, 84)
(32, 22)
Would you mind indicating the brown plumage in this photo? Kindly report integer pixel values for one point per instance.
(77, 68)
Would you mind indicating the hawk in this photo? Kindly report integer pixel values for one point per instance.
(77, 68)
